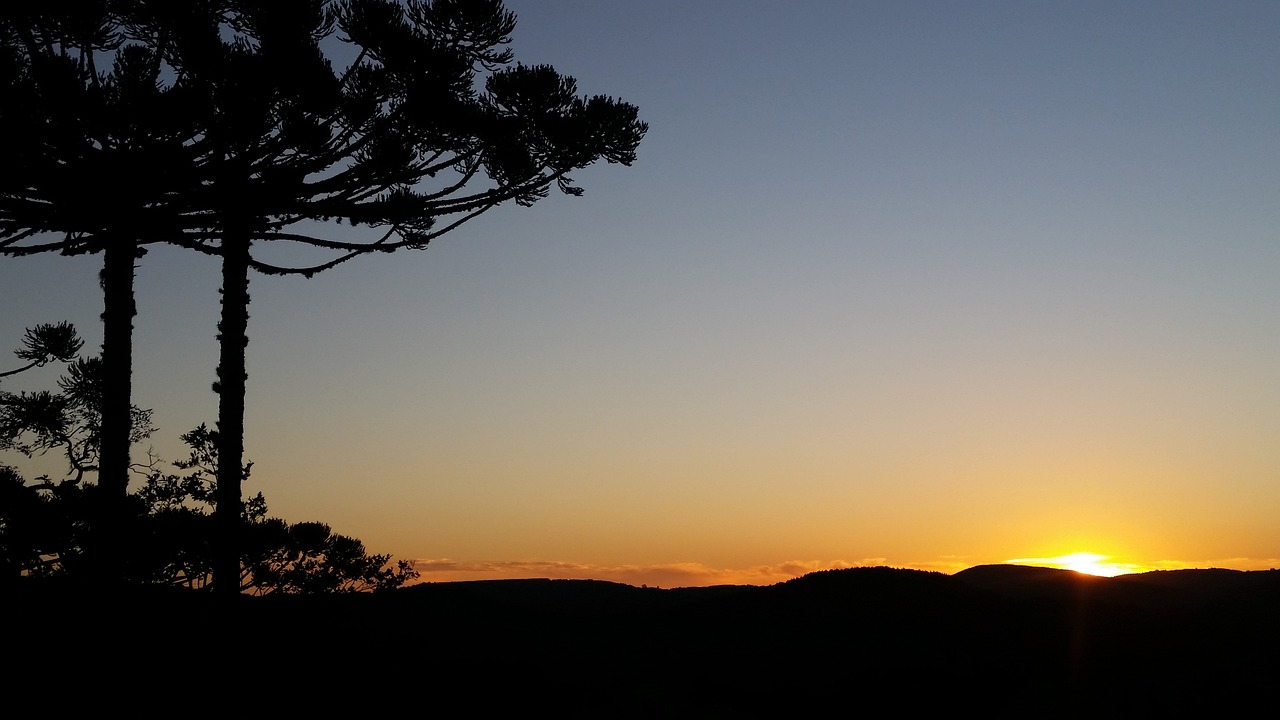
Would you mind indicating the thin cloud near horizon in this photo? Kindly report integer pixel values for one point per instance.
(693, 574)
(688, 574)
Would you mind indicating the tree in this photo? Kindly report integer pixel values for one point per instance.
(54, 525)
(46, 527)
(46, 343)
(268, 131)
(65, 122)
(69, 421)
(275, 556)
(45, 532)
(372, 144)
(25, 520)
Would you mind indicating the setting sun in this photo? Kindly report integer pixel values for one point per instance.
(1081, 562)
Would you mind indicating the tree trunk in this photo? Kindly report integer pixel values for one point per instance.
(232, 339)
(119, 309)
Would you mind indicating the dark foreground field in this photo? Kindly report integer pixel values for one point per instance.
(1003, 641)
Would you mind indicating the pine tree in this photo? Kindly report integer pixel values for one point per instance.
(265, 132)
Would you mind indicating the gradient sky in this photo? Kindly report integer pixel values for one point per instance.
(926, 284)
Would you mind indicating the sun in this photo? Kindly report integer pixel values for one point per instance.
(1081, 562)
(1089, 564)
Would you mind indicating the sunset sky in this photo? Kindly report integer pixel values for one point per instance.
(924, 284)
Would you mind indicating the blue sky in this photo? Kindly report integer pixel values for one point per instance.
(921, 283)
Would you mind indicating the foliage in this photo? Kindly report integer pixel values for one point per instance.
(47, 527)
(43, 344)
(70, 421)
(234, 115)
(276, 556)
(309, 557)
(224, 123)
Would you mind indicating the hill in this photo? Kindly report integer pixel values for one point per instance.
(1000, 640)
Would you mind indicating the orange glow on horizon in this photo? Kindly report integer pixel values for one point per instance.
(1082, 562)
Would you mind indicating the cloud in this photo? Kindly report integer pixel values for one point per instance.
(658, 575)
(1238, 563)
(691, 574)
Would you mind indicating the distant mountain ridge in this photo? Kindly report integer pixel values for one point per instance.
(998, 640)
(1007, 580)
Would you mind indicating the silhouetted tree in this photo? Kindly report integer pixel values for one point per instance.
(45, 532)
(396, 140)
(275, 556)
(265, 130)
(54, 524)
(47, 527)
(25, 515)
(46, 343)
(36, 422)
(93, 145)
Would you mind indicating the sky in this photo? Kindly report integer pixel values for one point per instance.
(920, 284)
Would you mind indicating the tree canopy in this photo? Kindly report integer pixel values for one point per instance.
(226, 116)
(225, 123)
